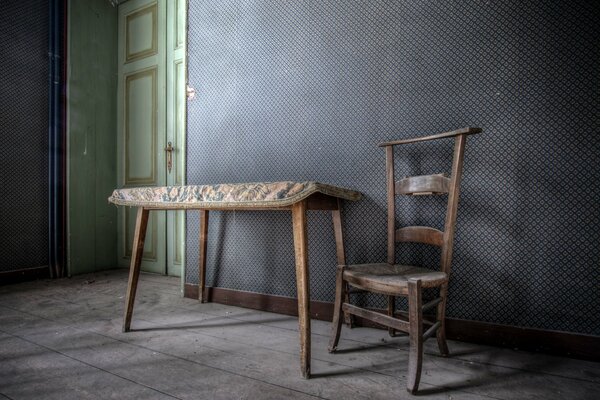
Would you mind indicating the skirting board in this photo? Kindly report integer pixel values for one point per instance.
(585, 347)
(21, 275)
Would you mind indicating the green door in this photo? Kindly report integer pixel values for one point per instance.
(151, 115)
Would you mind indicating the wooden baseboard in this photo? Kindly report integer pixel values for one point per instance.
(29, 274)
(265, 302)
(567, 344)
(585, 347)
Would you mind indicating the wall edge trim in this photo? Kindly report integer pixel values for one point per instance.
(23, 275)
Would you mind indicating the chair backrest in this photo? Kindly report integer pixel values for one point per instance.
(426, 185)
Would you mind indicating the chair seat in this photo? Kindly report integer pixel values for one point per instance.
(391, 279)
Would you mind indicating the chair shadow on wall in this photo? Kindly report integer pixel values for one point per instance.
(227, 222)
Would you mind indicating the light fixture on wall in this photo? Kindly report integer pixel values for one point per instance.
(115, 3)
(190, 92)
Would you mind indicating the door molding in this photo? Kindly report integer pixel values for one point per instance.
(129, 21)
(152, 178)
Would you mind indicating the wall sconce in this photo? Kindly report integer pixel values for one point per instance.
(115, 3)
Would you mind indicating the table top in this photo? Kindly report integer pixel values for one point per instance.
(228, 195)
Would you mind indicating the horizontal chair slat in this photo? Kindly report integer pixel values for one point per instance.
(423, 184)
(376, 317)
(461, 131)
(420, 234)
(431, 304)
(432, 330)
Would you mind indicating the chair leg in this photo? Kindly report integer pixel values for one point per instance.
(391, 310)
(415, 318)
(348, 318)
(441, 317)
(340, 295)
(341, 254)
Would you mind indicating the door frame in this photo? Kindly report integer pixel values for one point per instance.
(176, 131)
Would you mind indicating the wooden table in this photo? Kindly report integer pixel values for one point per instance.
(297, 197)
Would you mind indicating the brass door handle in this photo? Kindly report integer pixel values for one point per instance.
(169, 149)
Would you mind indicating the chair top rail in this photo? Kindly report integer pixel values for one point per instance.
(461, 131)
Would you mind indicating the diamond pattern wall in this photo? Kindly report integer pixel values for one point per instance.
(24, 133)
(304, 90)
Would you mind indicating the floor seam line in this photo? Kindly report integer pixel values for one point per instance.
(389, 345)
(88, 364)
(149, 349)
(325, 336)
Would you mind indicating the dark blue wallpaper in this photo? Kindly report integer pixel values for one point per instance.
(24, 27)
(304, 90)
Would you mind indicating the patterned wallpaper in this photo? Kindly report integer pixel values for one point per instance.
(304, 90)
(24, 133)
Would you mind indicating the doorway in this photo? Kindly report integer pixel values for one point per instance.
(151, 123)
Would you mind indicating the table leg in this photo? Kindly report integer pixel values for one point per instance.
(137, 252)
(202, 295)
(339, 234)
(302, 283)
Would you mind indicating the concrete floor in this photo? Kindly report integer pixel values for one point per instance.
(62, 340)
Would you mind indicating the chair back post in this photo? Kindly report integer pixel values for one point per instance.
(391, 200)
(453, 189)
(453, 196)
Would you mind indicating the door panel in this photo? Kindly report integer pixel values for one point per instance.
(142, 33)
(142, 121)
(140, 128)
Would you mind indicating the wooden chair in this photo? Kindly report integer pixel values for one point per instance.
(391, 279)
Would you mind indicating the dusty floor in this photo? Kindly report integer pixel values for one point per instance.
(62, 340)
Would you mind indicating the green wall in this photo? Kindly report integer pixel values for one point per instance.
(91, 127)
